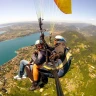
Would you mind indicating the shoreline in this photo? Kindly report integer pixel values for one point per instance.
(55, 33)
(14, 62)
(16, 51)
(18, 36)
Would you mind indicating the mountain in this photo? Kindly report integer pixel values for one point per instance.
(80, 80)
(14, 30)
(89, 30)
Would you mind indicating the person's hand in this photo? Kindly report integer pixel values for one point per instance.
(28, 63)
(35, 52)
(54, 56)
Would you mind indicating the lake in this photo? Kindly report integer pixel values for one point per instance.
(8, 48)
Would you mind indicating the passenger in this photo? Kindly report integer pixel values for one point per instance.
(27, 64)
(39, 58)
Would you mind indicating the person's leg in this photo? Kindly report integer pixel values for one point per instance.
(44, 78)
(35, 72)
(35, 77)
(29, 70)
(23, 63)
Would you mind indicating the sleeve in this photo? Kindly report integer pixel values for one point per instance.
(49, 47)
(34, 57)
(40, 59)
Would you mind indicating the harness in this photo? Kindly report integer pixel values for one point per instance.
(67, 57)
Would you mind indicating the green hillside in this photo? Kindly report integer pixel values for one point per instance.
(80, 80)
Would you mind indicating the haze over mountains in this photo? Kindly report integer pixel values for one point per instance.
(26, 28)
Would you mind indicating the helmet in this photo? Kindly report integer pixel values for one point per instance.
(60, 38)
(38, 42)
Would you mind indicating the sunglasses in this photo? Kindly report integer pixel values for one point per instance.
(59, 40)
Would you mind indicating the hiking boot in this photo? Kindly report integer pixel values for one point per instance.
(24, 77)
(34, 87)
(17, 77)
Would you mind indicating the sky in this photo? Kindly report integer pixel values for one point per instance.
(83, 11)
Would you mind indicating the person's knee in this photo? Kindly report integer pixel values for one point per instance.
(22, 61)
(27, 68)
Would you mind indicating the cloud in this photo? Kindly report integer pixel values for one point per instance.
(92, 19)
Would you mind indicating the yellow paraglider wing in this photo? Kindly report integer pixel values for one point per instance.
(64, 6)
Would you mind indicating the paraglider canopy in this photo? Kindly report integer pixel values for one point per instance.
(64, 6)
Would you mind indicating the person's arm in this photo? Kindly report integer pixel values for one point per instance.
(34, 56)
(31, 61)
(40, 59)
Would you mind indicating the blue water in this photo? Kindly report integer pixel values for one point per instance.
(8, 48)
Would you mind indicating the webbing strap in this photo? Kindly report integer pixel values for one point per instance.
(67, 58)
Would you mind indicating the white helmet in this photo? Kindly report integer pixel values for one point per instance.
(38, 42)
(60, 38)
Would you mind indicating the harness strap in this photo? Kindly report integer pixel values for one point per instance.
(61, 65)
